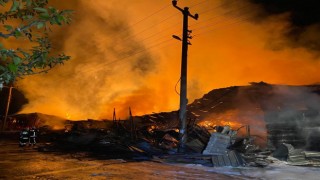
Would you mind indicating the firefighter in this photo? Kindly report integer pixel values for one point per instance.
(24, 137)
(32, 136)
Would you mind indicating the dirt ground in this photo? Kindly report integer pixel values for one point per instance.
(29, 163)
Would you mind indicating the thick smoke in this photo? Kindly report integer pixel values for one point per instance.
(292, 116)
(303, 20)
(90, 85)
(276, 113)
(98, 36)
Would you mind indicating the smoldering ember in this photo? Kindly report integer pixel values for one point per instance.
(126, 103)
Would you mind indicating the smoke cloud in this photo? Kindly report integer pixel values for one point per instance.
(302, 17)
(292, 116)
(113, 65)
(276, 113)
(98, 37)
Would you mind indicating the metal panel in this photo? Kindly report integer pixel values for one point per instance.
(218, 143)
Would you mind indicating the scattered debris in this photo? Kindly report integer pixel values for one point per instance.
(219, 141)
(228, 158)
(297, 157)
(146, 139)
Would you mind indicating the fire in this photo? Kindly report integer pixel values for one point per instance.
(57, 127)
(236, 119)
(68, 116)
(212, 123)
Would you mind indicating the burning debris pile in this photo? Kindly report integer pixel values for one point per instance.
(232, 126)
(277, 114)
(39, 120)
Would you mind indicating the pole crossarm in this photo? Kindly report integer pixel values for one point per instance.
(186, 9)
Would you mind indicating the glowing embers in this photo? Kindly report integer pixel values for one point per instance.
(229, 118)
(68, 116)
(212, 123)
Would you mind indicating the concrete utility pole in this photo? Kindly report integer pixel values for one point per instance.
(183, 84)
(7, 109)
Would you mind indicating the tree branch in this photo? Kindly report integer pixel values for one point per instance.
(20, 29)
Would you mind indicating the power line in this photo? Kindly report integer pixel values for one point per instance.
(149, 16)
(157, 33)
(228, 20)
(121, 59)
(135, 37)
(197, 24)
(175, 87)
(233, 23)
(103, 65)
(145, 49)
(156, 45)
(229, 12)
(210, 9)
(162, 22)
(131, 36)
(154, 40)
(221, 21)
(151, 26)
(159, 37)
(239, 20)
(197, 4)
(157, 23)
(153, 35)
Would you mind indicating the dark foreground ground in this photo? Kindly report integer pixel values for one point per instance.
(29, 163)
(61, 163)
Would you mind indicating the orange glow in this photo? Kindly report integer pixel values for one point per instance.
(209, 123)
(238, 118)
(232, 54)
(68, 116)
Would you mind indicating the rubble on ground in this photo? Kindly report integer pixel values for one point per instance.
(297, 157)
(159, 142)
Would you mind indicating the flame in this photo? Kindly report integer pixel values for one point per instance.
(239, 118)
(209, 123)
(55, 127)
(68, 116)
